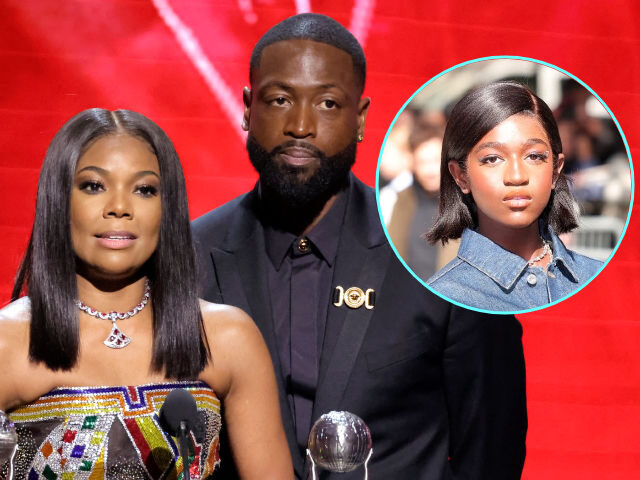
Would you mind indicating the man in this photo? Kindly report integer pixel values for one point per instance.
(441, 388)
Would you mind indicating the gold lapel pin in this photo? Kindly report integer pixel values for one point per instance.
(354, 297)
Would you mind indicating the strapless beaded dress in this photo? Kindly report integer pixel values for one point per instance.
(111, 433)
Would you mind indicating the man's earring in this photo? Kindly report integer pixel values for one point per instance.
(245, 125)
(360, 137)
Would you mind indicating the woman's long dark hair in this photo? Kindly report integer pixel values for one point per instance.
(49, 267)
(478, 112)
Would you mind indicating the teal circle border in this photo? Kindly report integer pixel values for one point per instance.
(505, 57)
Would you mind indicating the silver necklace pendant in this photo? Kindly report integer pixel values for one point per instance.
(117, 338)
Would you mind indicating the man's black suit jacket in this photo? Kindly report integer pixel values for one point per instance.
(442, 388)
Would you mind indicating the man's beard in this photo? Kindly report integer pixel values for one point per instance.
(292, 201)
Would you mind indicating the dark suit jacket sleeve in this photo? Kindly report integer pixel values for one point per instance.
(484, 377)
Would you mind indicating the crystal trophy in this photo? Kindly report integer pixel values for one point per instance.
(8, 442)
(339, 442)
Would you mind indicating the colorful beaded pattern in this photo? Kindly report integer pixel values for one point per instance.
(78, 448)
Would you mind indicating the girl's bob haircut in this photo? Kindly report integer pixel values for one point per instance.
(48, 271)
(478, 112)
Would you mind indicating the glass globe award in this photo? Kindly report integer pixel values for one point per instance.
(8, 442)
(339, 442)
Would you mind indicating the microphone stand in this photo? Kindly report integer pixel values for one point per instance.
(183, 448)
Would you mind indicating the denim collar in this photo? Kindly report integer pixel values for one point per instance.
(505, 267)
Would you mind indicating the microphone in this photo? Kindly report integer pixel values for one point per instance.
(178, 417)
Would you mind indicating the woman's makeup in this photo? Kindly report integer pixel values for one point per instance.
(510, 174)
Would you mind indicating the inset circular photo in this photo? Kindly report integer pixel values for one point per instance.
(505, 184)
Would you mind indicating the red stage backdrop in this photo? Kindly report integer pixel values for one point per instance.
(184, 63)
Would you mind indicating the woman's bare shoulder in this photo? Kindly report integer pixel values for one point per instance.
(14, 320)
(226, 320)
(21, 379)
(231, 332)
(17, 312)
(233, 339)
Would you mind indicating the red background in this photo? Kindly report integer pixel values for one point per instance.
(60, 57)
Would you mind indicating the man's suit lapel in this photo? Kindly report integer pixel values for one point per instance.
(240, 269)
(242, 281)
(230, 283)
(361, 262)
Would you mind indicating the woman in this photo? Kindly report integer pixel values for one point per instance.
(112, 322)
(503, 191)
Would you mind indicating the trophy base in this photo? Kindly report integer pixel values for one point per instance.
(314, 476)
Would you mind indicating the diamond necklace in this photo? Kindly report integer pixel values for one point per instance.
(117, 338)
(546, 249)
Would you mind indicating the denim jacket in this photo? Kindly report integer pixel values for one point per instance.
(485, 275)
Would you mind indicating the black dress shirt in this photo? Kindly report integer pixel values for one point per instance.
(300, 272)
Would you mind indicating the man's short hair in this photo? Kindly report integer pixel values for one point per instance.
(316, 27)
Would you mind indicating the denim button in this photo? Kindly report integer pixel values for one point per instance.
(532, 279)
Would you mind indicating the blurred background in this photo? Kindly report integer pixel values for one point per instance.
(184, 63)
(596, 160)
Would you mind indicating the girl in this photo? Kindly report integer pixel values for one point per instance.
(503, 192)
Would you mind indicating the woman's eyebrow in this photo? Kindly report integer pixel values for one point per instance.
(92, 168)
(488, 145)
(104, 172)
(526, 143)
(534, 141)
